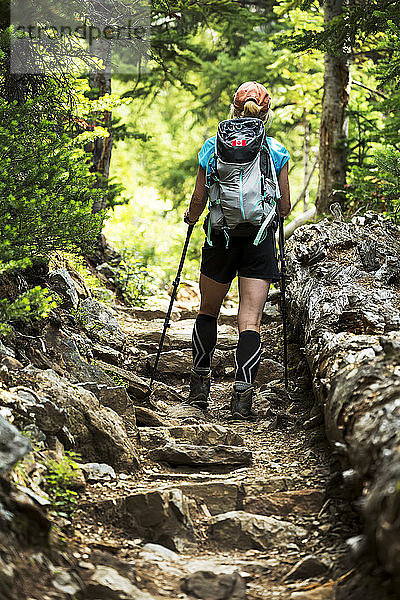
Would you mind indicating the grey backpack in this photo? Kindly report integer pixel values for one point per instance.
(242, 183)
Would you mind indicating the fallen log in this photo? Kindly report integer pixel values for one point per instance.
(343, 297)
(299, 220)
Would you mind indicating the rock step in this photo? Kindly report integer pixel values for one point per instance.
(165, 516)
(217, 496)
(201, 456)
(204, 445)
(299, 502)
(179, 363)
(135, 384)
(159, 515)
(243, 531)
(179, 336)
(203, 434)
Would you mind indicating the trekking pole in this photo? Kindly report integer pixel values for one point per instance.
(175, 285)
(283, 289)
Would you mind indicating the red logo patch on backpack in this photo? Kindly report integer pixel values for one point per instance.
(238, 142)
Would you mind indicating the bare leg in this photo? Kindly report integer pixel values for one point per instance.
(253, 294)
(212, 295)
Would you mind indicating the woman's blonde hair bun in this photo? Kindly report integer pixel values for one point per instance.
(251, 109)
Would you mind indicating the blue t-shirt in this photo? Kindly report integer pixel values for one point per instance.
(279, 154)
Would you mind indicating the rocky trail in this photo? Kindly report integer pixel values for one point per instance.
(174, 503)
(240, 506)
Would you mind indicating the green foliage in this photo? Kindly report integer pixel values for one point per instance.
(46, 189)
(46, 196)
(59, 476)
(159, 173)
(376, 187)
(135, 279)
(369, 33)
(36, 303)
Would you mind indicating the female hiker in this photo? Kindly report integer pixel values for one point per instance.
(245, 251)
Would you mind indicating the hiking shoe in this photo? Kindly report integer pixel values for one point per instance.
(200, 381)
(241, 403)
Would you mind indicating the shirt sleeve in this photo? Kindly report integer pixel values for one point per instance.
(206, 152)
(279, 154)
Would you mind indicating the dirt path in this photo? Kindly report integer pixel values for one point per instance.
(276, 510)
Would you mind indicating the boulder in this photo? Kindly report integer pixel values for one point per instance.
(187, 414)
(29, 408)
(135, 384)
(6, 351)
(205, 456)
(307, 567)
(160, 552)
(242, 530)
(106, 353)
(65, 582)
(98, 472)
(166, 393)
(98, 432)
(300, 502)
(180, 362)
(114, 397)
(146, 416)
(11, 363)
(47, 415)
(179, 336)
(200, 435)
(259, 487)
(269, 370)
(271, 314)
(13, 445)
(100, 322)
(64, 353)
(215, 586)
(110, 440)
(218, 496)
(105, 583)
(160, 516)
(61, 282)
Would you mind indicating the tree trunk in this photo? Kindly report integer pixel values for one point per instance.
(344, 305)
(101, 147)
(306, 160)
(334, 124)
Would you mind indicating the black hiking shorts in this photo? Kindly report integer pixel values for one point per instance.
(241, 258)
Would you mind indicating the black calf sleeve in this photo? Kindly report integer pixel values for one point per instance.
(204, 340)
(248, 355)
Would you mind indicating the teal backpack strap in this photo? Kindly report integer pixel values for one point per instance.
(209, 242)
(274, 177)
(227, 238)
(262, 232)
(208, 175)
(263, 229)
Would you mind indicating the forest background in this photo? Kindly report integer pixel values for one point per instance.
(329, 64)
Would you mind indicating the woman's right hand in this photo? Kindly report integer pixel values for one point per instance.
(187, 219)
